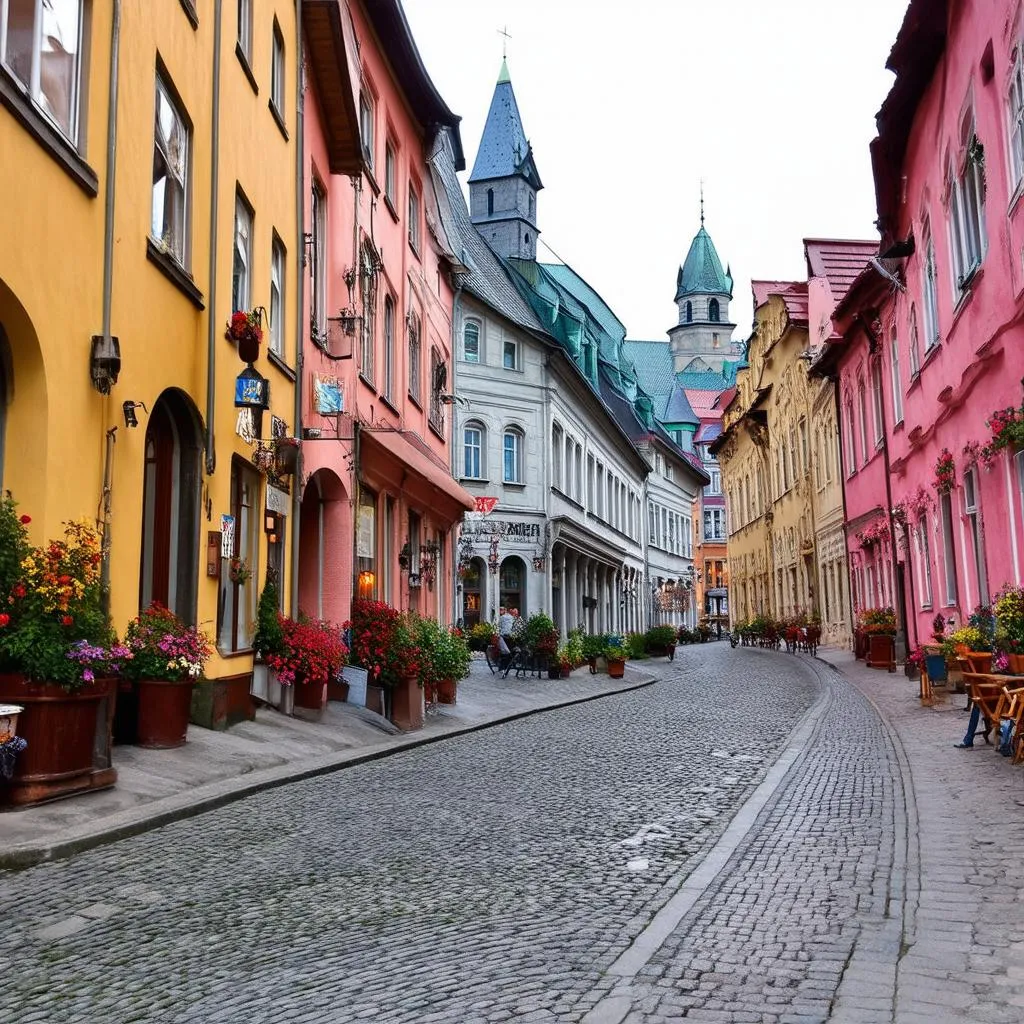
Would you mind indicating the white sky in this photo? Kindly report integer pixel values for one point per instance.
(627, 106)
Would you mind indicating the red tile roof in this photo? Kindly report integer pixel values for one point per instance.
(838, 260)
(792, 293)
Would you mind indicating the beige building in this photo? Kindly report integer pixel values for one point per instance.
(779, 452)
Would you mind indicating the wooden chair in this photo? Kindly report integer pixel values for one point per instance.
(985, 690)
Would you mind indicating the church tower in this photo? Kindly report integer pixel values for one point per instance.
(504, 183)
(701, 339)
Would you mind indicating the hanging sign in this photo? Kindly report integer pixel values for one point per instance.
(227, 536)
(277, 500)
(252, 391)
(328, 394)
(484, 505)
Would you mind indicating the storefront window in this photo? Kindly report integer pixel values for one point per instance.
(366, 544)
(236, 608)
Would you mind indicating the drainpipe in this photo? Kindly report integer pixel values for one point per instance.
(300, 320)
(108, 289)
(211, 316)
(901, 621)
(453, 554)
(646, 581)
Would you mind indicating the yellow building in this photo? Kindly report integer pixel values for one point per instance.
(201, 120)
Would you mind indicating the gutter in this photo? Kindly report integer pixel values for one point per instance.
(300, 193)
(211, 325)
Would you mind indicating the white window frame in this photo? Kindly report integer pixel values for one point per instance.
(517, 437)
(367, 125)
(851, 438)
(415, 354)
(1015, 116)
(277, 310)
(473, 450)
(241, 263)
(471, 355)
(948, 553)
(965, 209)
(862, 416)
(924, 562)
(244, 37)
(878, 408)
(557, 456)
(509, 346)
(390, 171)
(34, 86)
(390, 316)
(929, 290)
(177, 248)
(277, 70)
(972, 510)
(897, 380)
(318, 298)
(414, 219)
(915, 346)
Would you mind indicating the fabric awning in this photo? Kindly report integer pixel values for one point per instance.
(390, 456)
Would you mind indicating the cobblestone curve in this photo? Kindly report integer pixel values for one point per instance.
(487, 878)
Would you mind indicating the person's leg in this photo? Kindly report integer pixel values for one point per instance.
(972, 726)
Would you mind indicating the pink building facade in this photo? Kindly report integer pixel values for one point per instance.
(932, 340)
(379, 503)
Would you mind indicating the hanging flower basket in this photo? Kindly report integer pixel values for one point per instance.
(1007, 426)
(945, 472)
(240, 572)
(244, 329)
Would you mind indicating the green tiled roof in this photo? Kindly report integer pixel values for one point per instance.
(701, 273)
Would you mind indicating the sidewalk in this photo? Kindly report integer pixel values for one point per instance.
(158, 786)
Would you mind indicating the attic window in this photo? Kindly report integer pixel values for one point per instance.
(526, 238)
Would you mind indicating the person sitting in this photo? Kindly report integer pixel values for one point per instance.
(506, 622)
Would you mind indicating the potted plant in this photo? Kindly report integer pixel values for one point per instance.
(938, 629)
(1009, 626)
(450, 663)
(408, 667)
(481, 636)
(51, 600)
(661, 640)
(592, 647)
(879, 625)
(564, 663)
(312, 655)
(268, 638)
(615, 655)
(372, 630)
(244, 329)
(239, 571)
(914, 663)
(167, 658)
(542, 637)
(945, 472)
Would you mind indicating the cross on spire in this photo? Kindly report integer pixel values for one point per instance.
(506, 36)
(702, 202)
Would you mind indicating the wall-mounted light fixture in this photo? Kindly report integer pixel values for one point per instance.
(128, 408)
(365, 583)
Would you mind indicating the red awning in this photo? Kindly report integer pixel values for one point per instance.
(389, 456)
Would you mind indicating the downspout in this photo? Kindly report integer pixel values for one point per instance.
(453, 554)
(300, 320)
(108, 289)
(646, 581)
(901, 626)
(211, 325)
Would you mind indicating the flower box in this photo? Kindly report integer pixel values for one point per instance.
(68, 736)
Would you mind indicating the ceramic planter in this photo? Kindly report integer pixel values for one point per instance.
(164, 707)
(68, 737)
(407, 704)
(616, 668)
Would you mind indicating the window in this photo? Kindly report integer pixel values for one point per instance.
(241, 268)
(471, 342)
(366, 127)
(473, 449)
(277, 298)
(490, 202)
(512, 452)
(510, 355)
(414, 219)
(389, 346)
(245, 28)
(1016, 105)
(714, 524)
(438, 382)
(171, 164)
(715, 487)
(557, 451)
(390, 173)
(924, 574)
(966, 209)
(40, 44)
(368, 296)
(318, 296)
(414, 357)
(689, 312)
(876, 401)
(929, 290)
(805, 466)
(713, 311)
(915, 345)
(948, 557)
(897, 383)
(863, 416)
(972, 509)
(277, 71)
(851, 446)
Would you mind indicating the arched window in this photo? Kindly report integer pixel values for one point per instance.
(471, 342)
(557, 445)
(713, 311)
(490, 201)
(473, 436)
(689, 312)
(512, 456)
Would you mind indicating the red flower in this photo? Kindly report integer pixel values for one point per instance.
(4, 619)
(26, 520)
(19, 590)
(67, 620)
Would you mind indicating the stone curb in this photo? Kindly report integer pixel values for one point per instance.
(186, 805)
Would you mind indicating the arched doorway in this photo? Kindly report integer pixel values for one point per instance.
(325, 556)
(512, 585)
(169, 565)
(474, 594)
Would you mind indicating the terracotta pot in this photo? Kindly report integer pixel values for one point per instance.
(68, 737)
(616, 668)
(164, 709)
(882, 651)
(311, 696)
(446, 691)
(1016, 664)
(407, 705)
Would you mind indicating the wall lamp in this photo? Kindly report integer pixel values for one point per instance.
(130, 419)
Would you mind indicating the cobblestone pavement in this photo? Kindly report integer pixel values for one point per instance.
(515, 873)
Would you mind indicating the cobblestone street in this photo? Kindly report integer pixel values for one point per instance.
(565, 867)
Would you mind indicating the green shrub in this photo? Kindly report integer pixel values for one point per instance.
(661, 636)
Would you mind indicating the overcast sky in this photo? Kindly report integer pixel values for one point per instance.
(629, 105)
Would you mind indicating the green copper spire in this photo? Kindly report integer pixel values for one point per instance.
(503, 75)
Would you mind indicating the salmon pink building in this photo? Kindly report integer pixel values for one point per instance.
(379, 501)
(931, 340)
